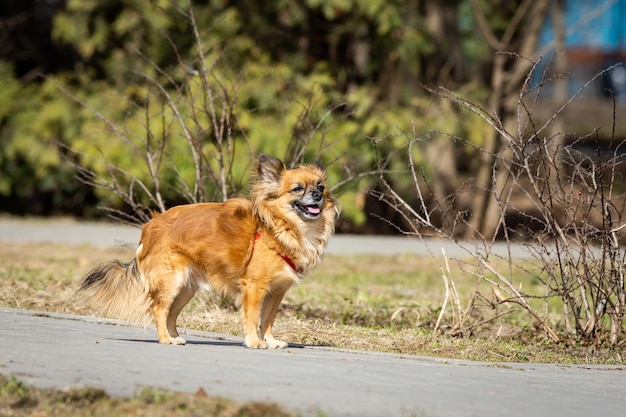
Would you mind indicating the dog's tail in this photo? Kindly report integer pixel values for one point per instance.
(119, 290)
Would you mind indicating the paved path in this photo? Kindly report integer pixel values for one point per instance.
(51, 350)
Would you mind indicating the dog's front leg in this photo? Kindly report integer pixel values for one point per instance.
(252, 299)
(268, 315)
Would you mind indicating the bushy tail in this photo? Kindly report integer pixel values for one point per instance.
(119, 290)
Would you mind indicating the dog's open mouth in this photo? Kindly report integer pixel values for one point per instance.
(310, 211)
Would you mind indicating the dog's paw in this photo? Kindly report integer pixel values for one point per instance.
(178, 341)
(255, 344)
(173, 341)
(275, 343)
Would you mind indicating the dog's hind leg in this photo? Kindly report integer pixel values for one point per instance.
(168, 299)
(186, 293)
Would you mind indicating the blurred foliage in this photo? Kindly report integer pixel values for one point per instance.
(303, 80)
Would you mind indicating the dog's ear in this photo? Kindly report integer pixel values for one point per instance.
(270, 168)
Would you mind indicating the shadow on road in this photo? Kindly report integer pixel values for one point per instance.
(208, 342)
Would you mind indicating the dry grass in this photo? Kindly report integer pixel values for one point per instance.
(385, 304)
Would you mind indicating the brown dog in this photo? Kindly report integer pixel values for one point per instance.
(253, 249)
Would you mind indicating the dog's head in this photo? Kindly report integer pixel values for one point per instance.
(302, 190)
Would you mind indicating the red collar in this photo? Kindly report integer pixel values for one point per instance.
(282, 255)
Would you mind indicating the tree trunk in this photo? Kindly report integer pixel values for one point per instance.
(560, 91)
(503, 101)
(487, 155)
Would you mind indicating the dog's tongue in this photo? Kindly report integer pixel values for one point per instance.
(313, 209)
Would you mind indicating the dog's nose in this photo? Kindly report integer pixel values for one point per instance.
(317, 196)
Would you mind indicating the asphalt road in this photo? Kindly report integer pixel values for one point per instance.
(50, 350)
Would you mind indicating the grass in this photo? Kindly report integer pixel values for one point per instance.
(387, 304)
(17, 400)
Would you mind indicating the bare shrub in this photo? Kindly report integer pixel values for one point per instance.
(564, 207)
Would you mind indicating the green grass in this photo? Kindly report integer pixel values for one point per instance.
(18, 399)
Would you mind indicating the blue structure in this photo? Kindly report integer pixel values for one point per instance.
(595, 40)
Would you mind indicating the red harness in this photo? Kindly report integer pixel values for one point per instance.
(286, 258)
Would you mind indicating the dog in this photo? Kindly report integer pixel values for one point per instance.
(253, 249)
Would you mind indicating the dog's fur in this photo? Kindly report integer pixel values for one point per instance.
(253, 249)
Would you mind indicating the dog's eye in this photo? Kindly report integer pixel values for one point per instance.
(297, 189)
(321, 187)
